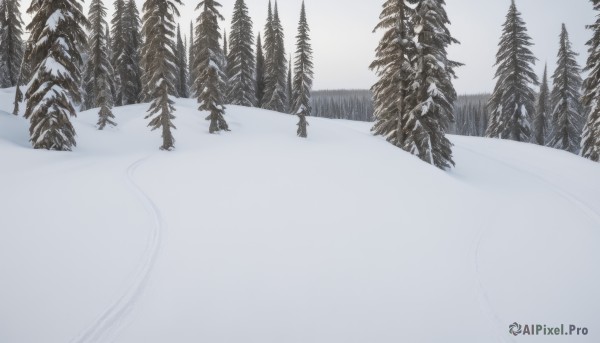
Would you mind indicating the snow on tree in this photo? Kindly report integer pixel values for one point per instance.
(512, 102)
(590, 140)
(395, 57)
(432, 83)
(11, 38)
(276, 65)
(240, 60)
(303, 68)
(159, 60)
(567, 114)
(24, 75)
(98, 71)
(56, 33)
(182, 68)
(260, 72)
(542, 112)
(209, 65)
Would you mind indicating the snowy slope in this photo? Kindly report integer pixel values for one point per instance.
(259, 236)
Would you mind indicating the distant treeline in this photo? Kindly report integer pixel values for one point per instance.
(470, 111)
(343, 104)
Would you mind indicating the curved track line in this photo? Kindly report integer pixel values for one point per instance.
(107, 326)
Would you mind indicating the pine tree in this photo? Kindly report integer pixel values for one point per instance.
(289, 90)
(512, 102)
(125, 48)
(182, 77)
(242, 86)
(159, 60)
(434, 92)
(260, 72)
(118, 48)
(131, 75)
(590, 139)
(567, 115)
(225, 66)
(395, 57)
(302, 123)
(303, 68)
(56, 33)
(99, 73)
(209, 65)
(542, 112)
(276, 64)
(191, 64)
(11, 37)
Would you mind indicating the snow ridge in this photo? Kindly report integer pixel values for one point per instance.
(107, 327)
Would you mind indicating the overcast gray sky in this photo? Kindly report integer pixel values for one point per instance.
(344, 44)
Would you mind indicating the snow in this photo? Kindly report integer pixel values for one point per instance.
(259, 236)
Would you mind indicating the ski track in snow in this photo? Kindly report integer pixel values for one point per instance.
(484, 300)
(106, 328)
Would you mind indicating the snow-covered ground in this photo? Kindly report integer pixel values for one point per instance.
(257, 236)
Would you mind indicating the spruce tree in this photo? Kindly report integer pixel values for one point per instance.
(302, 123)
(542, 112)
(99, 73)
(276, 65)
(289, 88)
(260, 72)
(303, 68)
(590, 142)
(512, 102)
(268, 50)
(126, 53)
(242, 86)
(394, 65)
(130, 60)
(209, 65)
(11, 38)
(56, 33)
(432, 82)
(182, 68)
(118, 48)
(567, 114)
(159, 60)
(191, 64)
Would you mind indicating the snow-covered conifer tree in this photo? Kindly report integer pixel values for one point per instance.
(395, 57)
(567, 114)
(158, 60)
(242, 86)
(302, 123)
(303, 67)
(590, 142)
(512, 102)
(182, 67)
(56, 33)
(98, 71)
(11, 39)
(209, 65)
(260, 72)
(542, 112)
(276, 65)
(434, 95)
